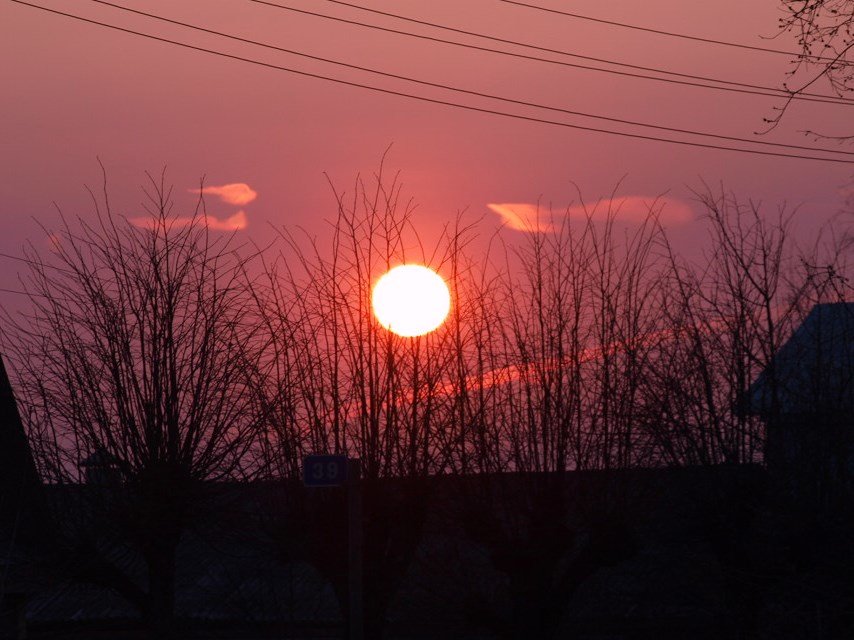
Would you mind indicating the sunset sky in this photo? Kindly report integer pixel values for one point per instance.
(263, 138)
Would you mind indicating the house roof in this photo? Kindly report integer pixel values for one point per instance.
(17, 469)
(813, 372)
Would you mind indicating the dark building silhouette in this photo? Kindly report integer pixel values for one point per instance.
(23, 515)
(19, 480)
(100, 469)
(806, 398)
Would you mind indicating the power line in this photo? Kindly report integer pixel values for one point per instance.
(426, 99)
(19, 259)
(468, 91)
(568, 53)
(672, 34)
(759, 90)
(31, 294)
(33, 263)
(20, 293)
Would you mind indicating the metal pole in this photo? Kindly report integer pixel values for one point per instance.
(354, 540)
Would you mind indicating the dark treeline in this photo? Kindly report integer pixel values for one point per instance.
(593, 345)
(163, 360)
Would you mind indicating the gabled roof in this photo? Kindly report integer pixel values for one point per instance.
(813, 372)
(24, 520)
(20, 485)
(17, 470)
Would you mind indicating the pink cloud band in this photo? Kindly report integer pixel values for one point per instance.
(526, 216)
(237, 193)
(233, 223)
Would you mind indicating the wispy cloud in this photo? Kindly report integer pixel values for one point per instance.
(237, 193)
(670, 210)
(233, 223)
(523, 216)
(526, 216)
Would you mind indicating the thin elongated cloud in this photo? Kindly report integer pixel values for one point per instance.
(523, 216)
(526, 216)
(532, 372)
(237, 193)
(670, 210)
(233, 223)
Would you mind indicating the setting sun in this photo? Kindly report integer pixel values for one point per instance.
(411, 300)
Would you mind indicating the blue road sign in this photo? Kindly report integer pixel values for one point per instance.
(324, 471)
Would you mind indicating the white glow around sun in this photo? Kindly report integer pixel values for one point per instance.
(411, 300)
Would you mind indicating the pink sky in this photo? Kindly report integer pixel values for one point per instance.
(73, 91)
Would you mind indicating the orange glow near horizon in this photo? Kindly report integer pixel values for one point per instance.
(411, 300)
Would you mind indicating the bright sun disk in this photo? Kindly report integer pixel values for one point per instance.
(411, 300)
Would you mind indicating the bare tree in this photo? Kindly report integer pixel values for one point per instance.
(153, 362)
(726, 318)
(131, 363)
(824, 30)
(340, 382)
(336, 381)
(573, 315)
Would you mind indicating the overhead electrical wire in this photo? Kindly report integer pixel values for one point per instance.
(426, 99)
(20, 259)
(34, 294)
(34, 263)
(562, 52)
(20, 293)
(769, 92)
(479, 94)
(672, 34)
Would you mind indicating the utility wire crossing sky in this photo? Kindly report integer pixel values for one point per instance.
(460, 90)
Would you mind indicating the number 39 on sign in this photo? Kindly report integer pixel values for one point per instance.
(324, 471)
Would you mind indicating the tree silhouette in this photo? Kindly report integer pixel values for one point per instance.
(825, 35)
(131, 364)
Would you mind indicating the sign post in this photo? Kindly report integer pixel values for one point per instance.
(339, 471)
(354, 546)
(324, 471)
